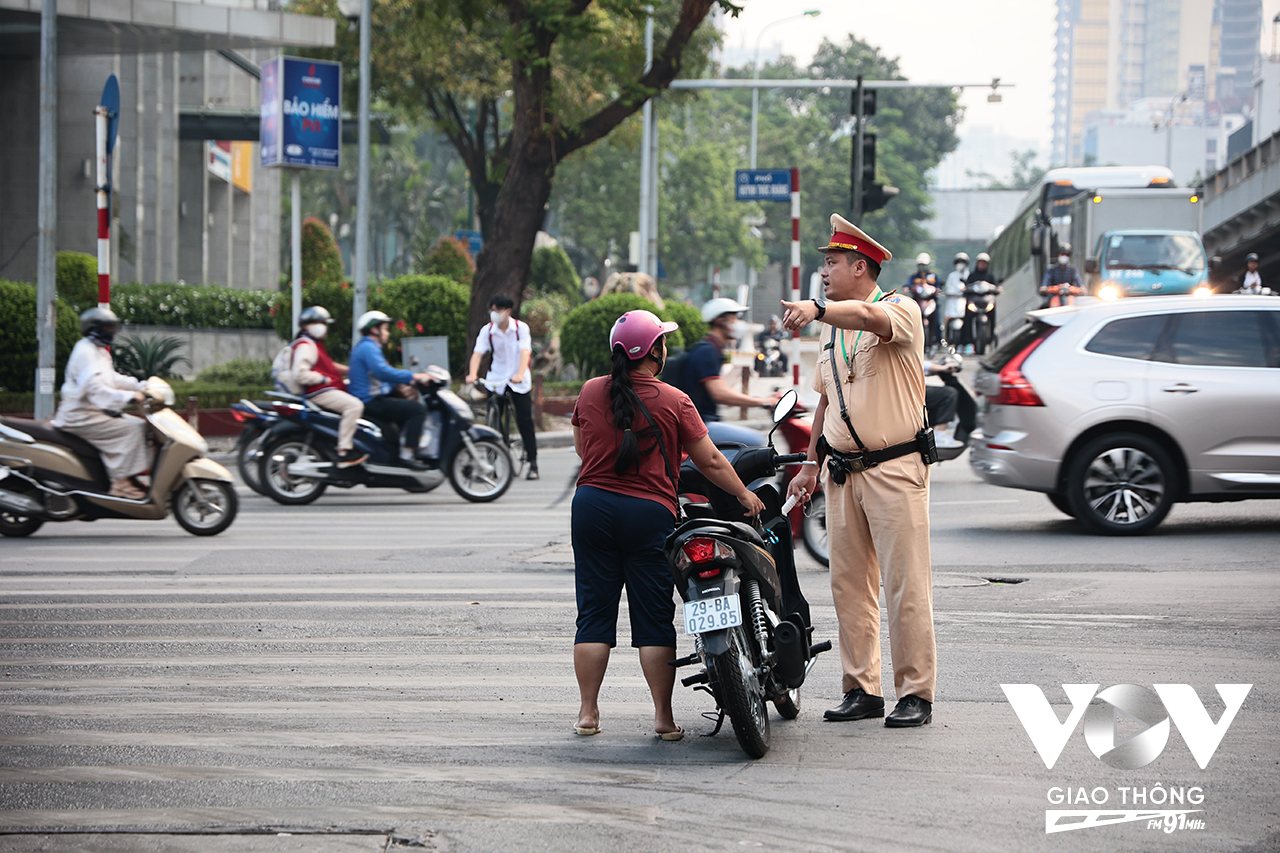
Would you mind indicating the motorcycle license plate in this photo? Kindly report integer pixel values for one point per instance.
(712, 614)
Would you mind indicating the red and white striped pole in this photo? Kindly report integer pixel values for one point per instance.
(795, 272)
(100, 114)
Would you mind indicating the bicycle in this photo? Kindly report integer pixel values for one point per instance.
(499, 413)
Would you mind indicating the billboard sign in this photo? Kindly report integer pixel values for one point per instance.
(301, 118)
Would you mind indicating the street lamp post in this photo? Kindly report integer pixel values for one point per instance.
(1168, 129)
(363, 10)
(755, 74)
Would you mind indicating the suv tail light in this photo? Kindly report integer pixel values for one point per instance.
(1015, 388)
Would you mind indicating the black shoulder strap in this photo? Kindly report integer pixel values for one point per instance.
(657, 433)
(835, 375)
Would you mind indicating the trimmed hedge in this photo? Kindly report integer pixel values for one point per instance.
(238, 371)
(333, 296)
(449, 258)
(19, 349)
(321, 257)
(77, 280)
(195, 306)
(584, 337)
(551, 273)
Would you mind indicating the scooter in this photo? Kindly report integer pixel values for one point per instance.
(48, 474)
(258, 418)
(809, 520)
(742, 602)
(299, 459)
(769, 360)
(982, 306)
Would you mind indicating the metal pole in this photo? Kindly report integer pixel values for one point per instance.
(361, 272)
(755, 116)
(295, 236)
(47, 246)
(795, 272)
(651, 248)
(100, 121)
(855, 208)
(646, 187)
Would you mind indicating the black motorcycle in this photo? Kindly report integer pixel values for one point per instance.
(299, 457)
(743, 605)
(982, 306)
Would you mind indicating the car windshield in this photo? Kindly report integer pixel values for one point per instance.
(1154, 251)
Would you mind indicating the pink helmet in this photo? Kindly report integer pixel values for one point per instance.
(636, 331)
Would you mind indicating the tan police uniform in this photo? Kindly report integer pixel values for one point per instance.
(878, 521)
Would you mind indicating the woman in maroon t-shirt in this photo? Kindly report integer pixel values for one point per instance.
(625, 507)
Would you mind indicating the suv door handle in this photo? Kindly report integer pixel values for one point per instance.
(1180, 388)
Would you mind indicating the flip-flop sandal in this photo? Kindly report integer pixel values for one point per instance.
(670, 736)
(586, 731)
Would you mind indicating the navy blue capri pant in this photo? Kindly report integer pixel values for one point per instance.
(618, 540)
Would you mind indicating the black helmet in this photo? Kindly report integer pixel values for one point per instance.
(99, 324)
(315, 314)
(1252, 256)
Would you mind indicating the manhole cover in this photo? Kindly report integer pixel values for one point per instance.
(947, 579)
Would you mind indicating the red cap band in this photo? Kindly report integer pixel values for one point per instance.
(840, 240)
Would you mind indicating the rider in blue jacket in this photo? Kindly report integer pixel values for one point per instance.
(372, 379)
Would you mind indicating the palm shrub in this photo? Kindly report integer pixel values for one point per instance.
(321, 257)
(551, 272)
(77, 280)
(144, 357)
(18, 347)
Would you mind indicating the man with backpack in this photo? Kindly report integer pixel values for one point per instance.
(311, 372)
(508, 339)
(699, 368)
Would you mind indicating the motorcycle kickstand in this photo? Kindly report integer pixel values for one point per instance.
(719, 712)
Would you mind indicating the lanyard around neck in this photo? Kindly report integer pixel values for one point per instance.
(877, 295)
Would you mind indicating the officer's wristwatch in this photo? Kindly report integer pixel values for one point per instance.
(821, 306)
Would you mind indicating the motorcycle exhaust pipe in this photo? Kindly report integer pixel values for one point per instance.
(22, 504)
(789, 647)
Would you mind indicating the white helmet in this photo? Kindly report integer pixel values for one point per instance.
(961, 256)
(719, 306)
(369, 319)
(923, 258)
(982, 256)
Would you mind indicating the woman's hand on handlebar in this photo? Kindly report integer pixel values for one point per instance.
(751, 503)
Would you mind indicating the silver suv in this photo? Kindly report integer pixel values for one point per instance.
(1118, 410)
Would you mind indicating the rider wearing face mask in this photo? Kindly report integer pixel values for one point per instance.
(701, 379)
(322, 381)
(1061, 281)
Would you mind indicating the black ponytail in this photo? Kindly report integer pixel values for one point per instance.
(621, 392)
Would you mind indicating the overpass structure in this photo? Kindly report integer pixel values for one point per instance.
(1241, 211)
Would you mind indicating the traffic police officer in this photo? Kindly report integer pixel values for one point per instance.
(874, 458)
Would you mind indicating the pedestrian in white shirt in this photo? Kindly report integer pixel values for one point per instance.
(509, 341)
(93, 395)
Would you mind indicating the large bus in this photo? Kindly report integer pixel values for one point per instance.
(1023, 248)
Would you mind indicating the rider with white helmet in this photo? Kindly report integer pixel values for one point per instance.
(372, 379)
(924, 287)
(701, 378)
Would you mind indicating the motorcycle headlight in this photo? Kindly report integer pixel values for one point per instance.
(1109, 292)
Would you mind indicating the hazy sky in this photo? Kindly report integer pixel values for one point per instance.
(960, 41)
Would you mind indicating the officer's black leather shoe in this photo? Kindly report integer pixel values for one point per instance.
(857, 705)
(911, 711)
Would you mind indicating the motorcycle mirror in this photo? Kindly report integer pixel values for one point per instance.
(785, 404)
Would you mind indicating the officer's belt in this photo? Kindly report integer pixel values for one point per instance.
(842, 464)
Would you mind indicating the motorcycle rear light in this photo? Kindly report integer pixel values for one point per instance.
(238, 415)
(709, 573)
(1015, 388)
(703, 550)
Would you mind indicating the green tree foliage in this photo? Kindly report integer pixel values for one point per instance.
(449, 258)
(77, 280)
(18, 335)
(321, 260)
(144, 357)
(429, 305)
(551, 272)
(584, 337)
(238, 371)
(517, 86)
(193, 306)
(1023, 175)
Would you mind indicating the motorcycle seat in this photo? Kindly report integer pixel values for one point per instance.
(737, 528)
(46, 432)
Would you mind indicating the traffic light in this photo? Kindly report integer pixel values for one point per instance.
(868, 103)
(876, 196)
(868, 158)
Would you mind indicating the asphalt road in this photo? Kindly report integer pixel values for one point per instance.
(382, 669)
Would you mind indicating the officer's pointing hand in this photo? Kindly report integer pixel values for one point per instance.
(798, 314)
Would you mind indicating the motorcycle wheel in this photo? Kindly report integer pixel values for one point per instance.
(813, 530)
(205, 507)
(981, 336)
(273, 472)
(788, 706)
(247, 462)
(17, 526)
(736, 686)
(484, 479)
